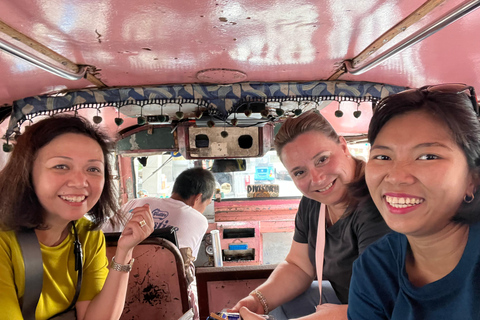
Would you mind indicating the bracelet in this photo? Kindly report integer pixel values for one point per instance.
(121, 267)
(261, 298)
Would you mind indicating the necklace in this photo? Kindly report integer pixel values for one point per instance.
(328, 217)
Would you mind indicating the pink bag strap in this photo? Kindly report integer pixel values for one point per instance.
(320, 248)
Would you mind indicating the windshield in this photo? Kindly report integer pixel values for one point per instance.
(156, 174)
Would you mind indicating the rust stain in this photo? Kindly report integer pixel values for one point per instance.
(154, 295)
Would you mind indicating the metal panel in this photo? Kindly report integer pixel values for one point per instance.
(153, 139)
(220, 146)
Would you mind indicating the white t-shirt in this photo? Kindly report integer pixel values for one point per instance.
(189, 224)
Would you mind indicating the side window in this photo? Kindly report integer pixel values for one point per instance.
(360, 150)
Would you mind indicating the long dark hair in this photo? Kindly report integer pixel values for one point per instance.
(19, 205)
(455, 110)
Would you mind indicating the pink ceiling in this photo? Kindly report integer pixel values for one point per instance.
(146, 42)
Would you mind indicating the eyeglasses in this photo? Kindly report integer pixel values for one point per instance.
(455, 88)
(451, 88)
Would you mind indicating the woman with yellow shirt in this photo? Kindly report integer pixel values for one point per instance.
(57, 173)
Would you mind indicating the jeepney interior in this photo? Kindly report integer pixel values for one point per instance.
(180, 84)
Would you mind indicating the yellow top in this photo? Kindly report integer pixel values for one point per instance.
(59, 275)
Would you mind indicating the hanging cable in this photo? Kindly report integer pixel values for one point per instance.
(156, 170)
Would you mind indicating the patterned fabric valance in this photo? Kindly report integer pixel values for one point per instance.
(220, 100)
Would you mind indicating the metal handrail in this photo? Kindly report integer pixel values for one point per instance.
(450, 17)
(40, 63)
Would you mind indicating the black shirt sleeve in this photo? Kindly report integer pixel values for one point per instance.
(345, 241)
(304, 220)
(369, 227)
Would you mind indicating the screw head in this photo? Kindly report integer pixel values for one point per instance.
(338, 113)
(97, 119)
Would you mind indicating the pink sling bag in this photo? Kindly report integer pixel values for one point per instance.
(320, 248)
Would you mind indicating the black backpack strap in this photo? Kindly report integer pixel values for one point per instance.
(77, 250)
(32, 259)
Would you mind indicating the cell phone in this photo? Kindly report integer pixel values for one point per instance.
(223, 315)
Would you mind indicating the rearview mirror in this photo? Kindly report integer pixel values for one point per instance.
(228, 165)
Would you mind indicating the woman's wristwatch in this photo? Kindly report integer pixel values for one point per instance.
(121, 267)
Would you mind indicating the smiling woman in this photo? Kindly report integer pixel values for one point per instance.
(422, 199)
(423, 176)
(319, 163)
(199, 81)
(68, 177)
(62, 168)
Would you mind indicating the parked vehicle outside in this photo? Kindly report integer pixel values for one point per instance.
(264, 173)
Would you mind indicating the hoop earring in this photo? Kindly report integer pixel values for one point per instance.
(468, 199)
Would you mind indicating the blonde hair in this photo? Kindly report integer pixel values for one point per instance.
(314, 121)
(306, 122)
